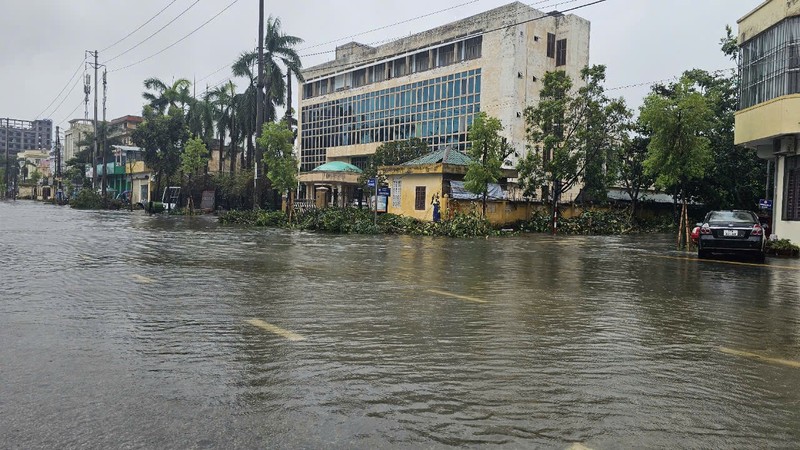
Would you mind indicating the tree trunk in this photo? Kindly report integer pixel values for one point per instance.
(289, 98)
(484, 204)
(221, 150)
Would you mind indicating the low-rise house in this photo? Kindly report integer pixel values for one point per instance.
(417, 185)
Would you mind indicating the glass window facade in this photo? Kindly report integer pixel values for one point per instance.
(438, 110)
(770, 64)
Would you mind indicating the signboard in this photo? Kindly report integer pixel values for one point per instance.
(765, 204)
(207, 202)
(371, 183)
(382, 204)
(385, 191)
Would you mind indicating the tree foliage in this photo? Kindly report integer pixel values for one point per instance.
(678, 152)
(194, 157)
(488, 153)
(276, 141)
(162, 137)
(393, 154)
(575, 135)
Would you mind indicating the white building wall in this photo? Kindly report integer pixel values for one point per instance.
(783, 229)
(513, 65)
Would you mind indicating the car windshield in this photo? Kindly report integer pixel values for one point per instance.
(731, 217)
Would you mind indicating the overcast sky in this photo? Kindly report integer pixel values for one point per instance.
(42, 42)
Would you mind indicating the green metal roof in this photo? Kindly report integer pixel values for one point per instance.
(444, 156)
(337, 166)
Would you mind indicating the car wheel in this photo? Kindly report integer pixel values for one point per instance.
(761, 258)
(702, 254)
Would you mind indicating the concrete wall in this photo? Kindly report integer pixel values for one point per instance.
(784, 229)
(433, 185)
(766, 15)
(768, 120)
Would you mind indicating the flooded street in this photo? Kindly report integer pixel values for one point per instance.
(121, 330)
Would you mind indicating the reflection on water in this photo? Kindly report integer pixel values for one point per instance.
(124, 330)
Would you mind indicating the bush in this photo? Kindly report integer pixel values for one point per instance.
(783, 247)
(598, 222)
(362, 221)
(87, 199)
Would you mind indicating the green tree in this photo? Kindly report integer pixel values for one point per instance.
(632, 174)
(488, 152)
(678, 152)
(162, 137)
(246, 102)
(279, 49)
(574, 136)
(166, 96)
(392, 154)
(276, 140)
(222, 101)
(193, 159)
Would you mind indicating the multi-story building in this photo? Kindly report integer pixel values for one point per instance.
(122, 127)
(432, 84)
(24, 135)
(767, 120)
(77, 132)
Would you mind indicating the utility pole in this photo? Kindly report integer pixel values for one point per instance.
(58, 164)
(259, 105)
(8, 172)
(94, 150)
(105, 133)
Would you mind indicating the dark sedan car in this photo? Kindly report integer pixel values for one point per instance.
(731, 232)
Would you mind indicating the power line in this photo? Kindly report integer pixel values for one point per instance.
(65, 119)
(62, 89)
(65, 98)
(178, 41)
(140, 26)
(155, 33)
(391, 25)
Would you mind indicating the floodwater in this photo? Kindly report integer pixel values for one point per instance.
(119, 330)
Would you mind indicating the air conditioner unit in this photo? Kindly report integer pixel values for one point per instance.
(786, 146)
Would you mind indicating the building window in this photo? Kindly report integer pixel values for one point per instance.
(770, 64)
(561, 52)
(472, 48)
(551, 45)
(791, 197)
(419, 198)
(397, 186)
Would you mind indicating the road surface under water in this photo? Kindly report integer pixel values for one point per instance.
(119, 330)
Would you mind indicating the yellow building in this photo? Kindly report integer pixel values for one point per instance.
(769, 117)
(435, 178)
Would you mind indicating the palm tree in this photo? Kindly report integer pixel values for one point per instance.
(221, 98)
(201, 120)
(246, 102)
(278, 50)
(166, 96)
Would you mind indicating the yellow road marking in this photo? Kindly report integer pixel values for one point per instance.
(762, 358)
(142, 279)
(460, 297)
(276, 330)
(577, 446)
(733, 263)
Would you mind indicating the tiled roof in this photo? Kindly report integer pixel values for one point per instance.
(445, 156)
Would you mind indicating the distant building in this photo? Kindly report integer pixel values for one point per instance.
(24, 134)
(30, 161)
(122, 127)
(77, 131)
(432, 84)
(767, 120)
